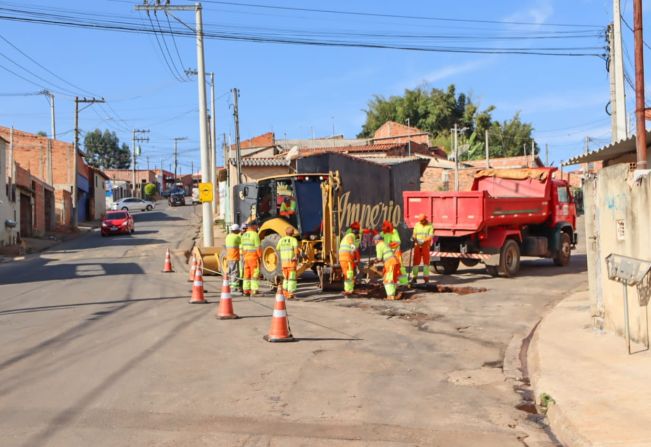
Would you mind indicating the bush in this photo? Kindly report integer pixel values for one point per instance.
(150, 190)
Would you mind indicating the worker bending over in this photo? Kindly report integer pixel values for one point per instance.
(349, 257)
(233, 241)
(423, 236)
(251, 252)
(288, 207)
(391, 237)
(288, 248)
(384, 254)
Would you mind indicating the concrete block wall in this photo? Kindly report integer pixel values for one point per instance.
(618, 218)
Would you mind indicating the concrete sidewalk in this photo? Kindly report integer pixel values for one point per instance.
(602, 395)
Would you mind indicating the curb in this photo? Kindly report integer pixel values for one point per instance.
(558, 420)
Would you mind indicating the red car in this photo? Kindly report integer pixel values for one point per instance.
(116, 222)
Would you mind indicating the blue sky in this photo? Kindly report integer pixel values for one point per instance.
(296, 90)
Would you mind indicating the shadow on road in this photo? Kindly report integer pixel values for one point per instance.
(22, 310)
(41, 270)
(155, 216)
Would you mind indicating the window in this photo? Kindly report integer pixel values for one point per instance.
(563, 195)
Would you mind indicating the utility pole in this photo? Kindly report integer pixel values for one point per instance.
(533, 152)
(176, 154)
(75, 151)
(147, 162)
(236, 117)
(50, 97)
(133, 164)
(486, 142)
(228, 184)
(617, 65)
(639, 85)
(213, 145)
(12, 166)
(409, 125)
(546, 154)
(203, 115)
(456, 157)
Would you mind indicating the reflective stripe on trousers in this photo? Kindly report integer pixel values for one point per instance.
(289, 279)
(251, 274)
(348, 270)
(234, 274)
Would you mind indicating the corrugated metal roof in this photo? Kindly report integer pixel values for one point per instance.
(613, 150)
(388, 160)
(383, 147)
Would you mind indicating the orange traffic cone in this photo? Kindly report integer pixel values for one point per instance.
(197, 288)
(167, 268)
(225, 309)
(279, 331)
(193, 268)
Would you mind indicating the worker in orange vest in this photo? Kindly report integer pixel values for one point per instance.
(423, 236)
(385, 254)
(252, 253)
(349, 257)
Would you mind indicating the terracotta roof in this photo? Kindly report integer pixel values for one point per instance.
(506, 162)
(384, 147)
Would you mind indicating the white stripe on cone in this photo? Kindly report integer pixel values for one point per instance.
(279, 313)
(198, 283)
(280, 298)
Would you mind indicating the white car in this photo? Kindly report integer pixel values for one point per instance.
(133, 204)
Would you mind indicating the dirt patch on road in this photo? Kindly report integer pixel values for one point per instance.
(417, 319)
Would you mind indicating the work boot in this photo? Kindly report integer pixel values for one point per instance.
(391, 297)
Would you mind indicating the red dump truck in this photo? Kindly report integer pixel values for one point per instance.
(508, 213)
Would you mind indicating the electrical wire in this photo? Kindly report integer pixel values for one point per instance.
(160, 47)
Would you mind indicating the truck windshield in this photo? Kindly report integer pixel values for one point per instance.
(308, 196)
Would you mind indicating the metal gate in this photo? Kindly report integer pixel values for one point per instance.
(25, 216)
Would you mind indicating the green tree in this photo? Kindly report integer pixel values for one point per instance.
(103, 150)
(436, 111)
(150, 190)
(41, 133)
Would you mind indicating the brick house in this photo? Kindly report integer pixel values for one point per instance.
(51, 162)
(143, 176)
(393, 132)
(8, 215)
(34, 204)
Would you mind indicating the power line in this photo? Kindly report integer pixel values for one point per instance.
(632, 30)
(398, 16)
(160, 47)
(81, 22)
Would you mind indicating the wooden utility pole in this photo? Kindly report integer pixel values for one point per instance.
(236, 117)
(639, 85)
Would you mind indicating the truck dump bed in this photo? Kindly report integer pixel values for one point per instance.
(509, 197)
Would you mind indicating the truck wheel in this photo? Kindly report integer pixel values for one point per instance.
(510, 258)
(270, 266)
(470, 262)
(562, 257)
(493, 270)
(446, 266)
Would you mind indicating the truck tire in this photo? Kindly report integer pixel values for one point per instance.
(510, 258)
(493, 270)
(270, 265)
(446, 266)
(470, 262)
(562, 257)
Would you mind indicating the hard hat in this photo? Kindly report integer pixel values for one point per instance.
(377, 238)
(244, 227)
(235, 227)
(354, 226)
(387, 226)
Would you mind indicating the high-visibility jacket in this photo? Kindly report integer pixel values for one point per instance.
(288, 210)
(423, 233)
(347, 248)
(288, 248)
(232, 243)
(356, 239)
(383, 252)
(392, 237)
(250, 243)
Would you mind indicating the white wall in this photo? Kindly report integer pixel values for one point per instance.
(7, 235)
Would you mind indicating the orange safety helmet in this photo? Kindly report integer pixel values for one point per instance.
(354, 226)
(387, 227)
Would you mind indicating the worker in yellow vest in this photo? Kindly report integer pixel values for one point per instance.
(348, 258)
(288, 248)
(232, 243)
(288, 207)
(251, 252)
(385, 254)
(391, 237)
(423, 236)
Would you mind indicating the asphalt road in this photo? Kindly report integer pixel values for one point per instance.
(101, 348)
